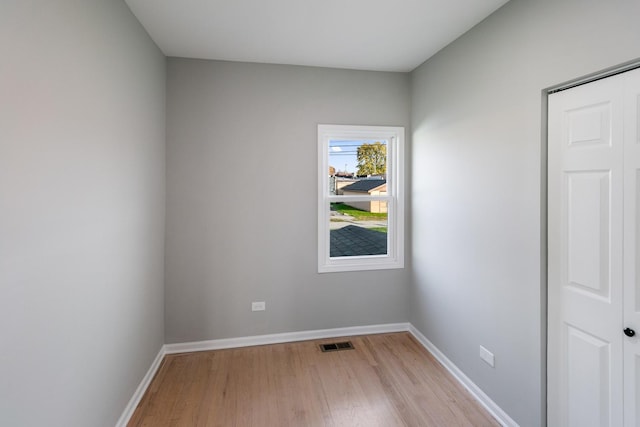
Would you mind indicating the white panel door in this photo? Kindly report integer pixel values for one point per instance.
(585, 220)
(631, 242)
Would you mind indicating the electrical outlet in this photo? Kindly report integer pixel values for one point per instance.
(258, 306)
(487, 356)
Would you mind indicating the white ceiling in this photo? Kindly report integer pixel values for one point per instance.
(384, 35)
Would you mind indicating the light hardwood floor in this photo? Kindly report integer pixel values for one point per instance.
(388, 380)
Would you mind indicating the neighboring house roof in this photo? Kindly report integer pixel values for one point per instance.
(357, 241)
(365, 185)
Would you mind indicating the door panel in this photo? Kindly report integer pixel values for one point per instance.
(585, 215)
(588, 367)
(587, 209)
(590, 125)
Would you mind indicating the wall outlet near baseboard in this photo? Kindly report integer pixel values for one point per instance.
(487, 356)
(258, 306)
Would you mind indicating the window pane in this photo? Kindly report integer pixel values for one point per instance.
(358, 229)
(359, 171)
(353, 160)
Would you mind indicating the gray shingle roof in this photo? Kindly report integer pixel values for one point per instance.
(364, 185)
(357, 241)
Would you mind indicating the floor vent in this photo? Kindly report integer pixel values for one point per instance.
(337, 346)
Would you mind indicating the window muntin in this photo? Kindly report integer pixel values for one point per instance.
(360, 218)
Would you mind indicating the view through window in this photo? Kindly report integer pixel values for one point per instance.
(360, 202)
(358, 227)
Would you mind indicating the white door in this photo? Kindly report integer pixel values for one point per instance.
(592, 196)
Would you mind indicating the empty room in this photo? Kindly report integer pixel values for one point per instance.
(340, 213)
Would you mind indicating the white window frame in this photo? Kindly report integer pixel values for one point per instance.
(394, 198)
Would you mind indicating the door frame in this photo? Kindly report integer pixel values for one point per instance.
(544, 248)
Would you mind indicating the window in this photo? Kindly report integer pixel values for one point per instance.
(360, 198)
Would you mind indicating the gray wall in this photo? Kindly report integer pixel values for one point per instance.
(242, 202)
(477, 200)
(81, 210)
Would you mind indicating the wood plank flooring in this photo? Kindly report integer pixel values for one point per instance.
(387, 380)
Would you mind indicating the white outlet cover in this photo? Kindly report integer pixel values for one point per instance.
(258, 306)
(487, 356)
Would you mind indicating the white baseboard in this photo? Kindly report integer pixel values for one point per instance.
(284, 337)
(220, 344)
(497, 412)
(142, 388)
